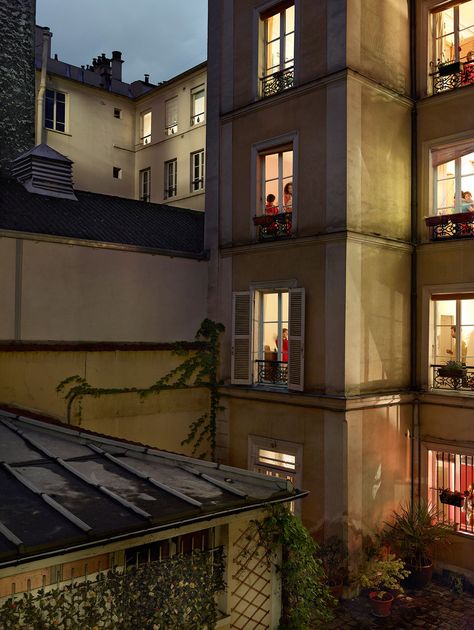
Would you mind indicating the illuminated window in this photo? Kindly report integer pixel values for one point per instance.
(277, 28)
(171, 116)
(271, 338)
(197, 170)
(451, 487)
(145, 184)
(453, 178)
(276, 182)
(198, 105)
(171, 175)
(145, 126)
(55, 110)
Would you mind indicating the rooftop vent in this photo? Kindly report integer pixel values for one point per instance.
(44, 171)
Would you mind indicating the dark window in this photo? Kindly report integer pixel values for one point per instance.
(117, 113)
(55, 110)
(117, 172)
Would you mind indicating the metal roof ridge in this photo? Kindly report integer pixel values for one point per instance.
(9, 535)
(216, 482)
(138, 473)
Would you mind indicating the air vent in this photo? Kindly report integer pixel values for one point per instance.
(44, 171)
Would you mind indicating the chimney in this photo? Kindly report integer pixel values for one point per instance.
(147, 79)
(117, 62)
(17, 86)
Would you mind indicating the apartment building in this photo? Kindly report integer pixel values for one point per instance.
(136, 140)
(333, 129)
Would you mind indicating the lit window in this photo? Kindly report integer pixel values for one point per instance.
(451, 488)
(197, 170)
(55, 110)
(452, 62)
(171, 174)
(453, 342)
(268, 338)
(198, 105)
(454, 178)
(277, 50)
(171, 116)
(145, 124)
(117, 172)
(275, 202)
(117, 112)
(145, 184)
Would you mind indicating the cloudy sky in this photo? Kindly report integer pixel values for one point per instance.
(158, 37)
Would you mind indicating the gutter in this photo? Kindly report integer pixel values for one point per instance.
(40, 130)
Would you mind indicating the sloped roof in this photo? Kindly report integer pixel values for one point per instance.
(102, 218)
(62, 488)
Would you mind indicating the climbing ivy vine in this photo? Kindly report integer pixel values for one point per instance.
(198, 369)
(306, 599)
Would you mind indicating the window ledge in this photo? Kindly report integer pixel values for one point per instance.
(61, 133)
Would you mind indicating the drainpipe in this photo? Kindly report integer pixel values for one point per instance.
(40, 131)
(415, 452)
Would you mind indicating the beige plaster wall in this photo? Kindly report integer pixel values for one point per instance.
(85, 293)
(8, 255)
(28, 379)
(377, 317)
(94, 140)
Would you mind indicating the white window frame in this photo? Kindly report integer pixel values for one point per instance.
(197, 170)
(145, 184)
(54, 120)
(457, 176)
(171, 122)
(434, 11)
(145, 138)
(256, 443)
(197, 118)
(171, 179)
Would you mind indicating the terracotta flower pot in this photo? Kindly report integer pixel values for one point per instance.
(381, 605)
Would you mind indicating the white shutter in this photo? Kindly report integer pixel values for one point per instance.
(241, 372)
(296, 340)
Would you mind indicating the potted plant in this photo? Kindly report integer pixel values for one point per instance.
(413, 534)
(333, 555)
(382, 576)
(446, 68)
(452, 369)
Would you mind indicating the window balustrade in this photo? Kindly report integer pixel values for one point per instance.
(277, 82)
(272, 372)
(451, 226)
(273, 226)
(461, 379)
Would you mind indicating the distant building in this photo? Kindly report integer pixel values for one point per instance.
(137, 140)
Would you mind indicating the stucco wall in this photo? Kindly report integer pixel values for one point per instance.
(70, 292)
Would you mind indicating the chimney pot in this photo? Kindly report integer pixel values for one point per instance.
(147, 79)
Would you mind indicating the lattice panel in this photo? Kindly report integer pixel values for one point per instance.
(251, 598)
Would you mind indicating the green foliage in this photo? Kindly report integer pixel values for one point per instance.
(454, 365)
(198, 369)
(176, 593)
(307, 601)
(333, 554)
(414, 532)
(382, 574)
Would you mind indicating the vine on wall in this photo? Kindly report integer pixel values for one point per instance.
(306, 600)
(179, 592)
(198, 369)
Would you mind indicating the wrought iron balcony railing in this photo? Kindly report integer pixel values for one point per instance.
(197, 118)
(272, 372)
(457, 379)
(273, 226)
(451, 226)
(277, 82)
(451, 75)
(171, 129)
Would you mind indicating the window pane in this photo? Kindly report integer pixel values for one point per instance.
(290, 19)
(60, 97)
(284, 306)
(273, 27)
(171, 112)
(289, 49)
(467, 164)
(271, 188)
(273, 56)
(445, 332)
(198, 102)
(288, 164)
(270, 307)
(60, 112)
(466, 15)
(282, 460)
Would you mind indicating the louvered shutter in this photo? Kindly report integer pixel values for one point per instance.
(241, 373)
(296, 340)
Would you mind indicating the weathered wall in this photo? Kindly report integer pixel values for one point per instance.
(17, 79)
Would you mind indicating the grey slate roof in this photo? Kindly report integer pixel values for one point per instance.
(103, 218)
(62, 488)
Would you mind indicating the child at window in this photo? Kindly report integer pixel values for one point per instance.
(288, 197)
(270, 207)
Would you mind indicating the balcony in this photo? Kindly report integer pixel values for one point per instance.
(451, 226)
(458, 380)
(272, 372)
(451, 75)
(273, 226)
(277, 82)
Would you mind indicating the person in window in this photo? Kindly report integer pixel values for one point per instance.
(468, 507)
(467, 74)
(284, 345)
(467, 202)
(270, 207)
(452, 351)
(288, 197)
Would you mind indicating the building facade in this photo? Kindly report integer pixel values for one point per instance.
(327, 135)
(137, 140)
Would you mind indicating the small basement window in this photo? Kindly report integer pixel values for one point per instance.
(117, 172)
(117, 112)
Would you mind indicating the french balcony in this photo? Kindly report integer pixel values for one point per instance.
(271, 227)
(272, 372)
(451, 226)
(461, 379)
(277, 82)
(451, 75)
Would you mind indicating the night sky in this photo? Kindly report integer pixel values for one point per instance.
(158, 37)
